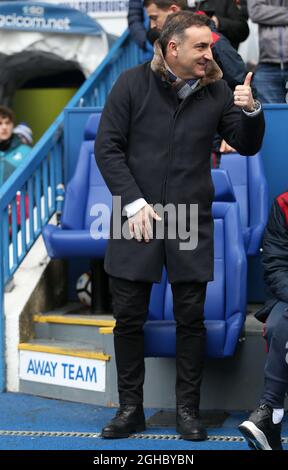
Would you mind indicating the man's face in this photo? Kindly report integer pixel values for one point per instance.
(157, 16)
(6, 128)
(191, 55)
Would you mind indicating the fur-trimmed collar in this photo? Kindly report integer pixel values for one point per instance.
(213, 71)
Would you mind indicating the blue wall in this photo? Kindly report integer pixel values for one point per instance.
(275, 148)
(275, 159)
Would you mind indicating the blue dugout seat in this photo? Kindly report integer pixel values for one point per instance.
(225, 306)
(87, 197)
(84, 190)
(251, 191)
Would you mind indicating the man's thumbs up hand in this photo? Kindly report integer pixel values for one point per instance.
(243, 97)
(248, 79)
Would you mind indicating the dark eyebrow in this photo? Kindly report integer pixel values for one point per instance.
(201, 44)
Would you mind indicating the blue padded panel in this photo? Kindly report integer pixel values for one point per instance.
(156, 306)
(258, 191)
(223, 186)
(215, 337)
(234, 327)
(237, 167)
(246, 232)
(98, 193)
(258, 203)
(214, 308)
(219, 240)
(68, 243)
(251, 190)
(91, 126)
(215, 298)
(223, 329)
(235, 256)
(168, 304)
(242, 199)
(160, 338)
(73, 215)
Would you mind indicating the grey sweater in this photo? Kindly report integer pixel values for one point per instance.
(272, 18)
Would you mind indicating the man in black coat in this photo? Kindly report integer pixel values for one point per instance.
(263, 428)
(153, 148)
(228, 59)
(230, 62)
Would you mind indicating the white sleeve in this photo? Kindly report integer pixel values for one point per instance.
(135, 206)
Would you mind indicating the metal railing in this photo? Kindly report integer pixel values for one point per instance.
(28, 197)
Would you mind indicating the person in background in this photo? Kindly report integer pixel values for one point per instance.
(225, 14)
(24, 133)
(271, 76)
(242, 4)
(139, 27)
(262, 430)
(229, 20)
(12, 151)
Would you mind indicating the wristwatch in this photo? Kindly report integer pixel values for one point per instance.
(256, 107)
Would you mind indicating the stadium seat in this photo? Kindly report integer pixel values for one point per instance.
(223, 189)
(75, 237)
(225, 306)
(251, 191)
(84, 190)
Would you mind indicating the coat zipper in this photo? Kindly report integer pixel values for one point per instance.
(170, 148)
(164, 190)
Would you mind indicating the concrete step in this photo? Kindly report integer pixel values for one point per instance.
(232, 383)
(64, 348)
(73, 324)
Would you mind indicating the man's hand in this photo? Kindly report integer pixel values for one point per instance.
(226, 148)
(243, 97)
(140, 224)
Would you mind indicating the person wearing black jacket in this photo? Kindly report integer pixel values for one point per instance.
(136, 23)
(229, 20)
(242, 4)
(263, 428)
(152, 147)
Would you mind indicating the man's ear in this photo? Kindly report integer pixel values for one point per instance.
(172, 48)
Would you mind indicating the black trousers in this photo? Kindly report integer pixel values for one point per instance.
(276, 367)
(130, 307)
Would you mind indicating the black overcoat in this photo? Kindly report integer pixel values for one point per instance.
(151, 145)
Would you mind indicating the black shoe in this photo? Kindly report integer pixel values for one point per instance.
(260, 431)
(128, 419)
(189, 425)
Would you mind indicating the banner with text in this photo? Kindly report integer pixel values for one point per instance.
(66, 371)
(46, 18)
